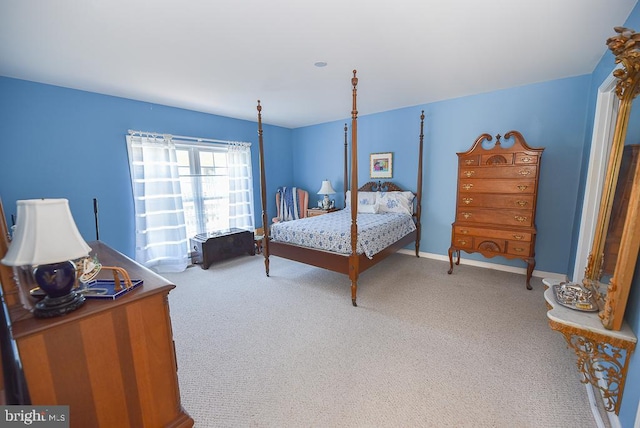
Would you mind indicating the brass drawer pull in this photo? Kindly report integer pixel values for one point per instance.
(464, 231)
(524, 172)
(522, 187)
(466, 215)
(522, 203)
(469, 162)
(467, 186)
(520, 218)
(519, 250)
(462, 242)
(526, 159)
(467, 201)
(518, 237)
(469, 173)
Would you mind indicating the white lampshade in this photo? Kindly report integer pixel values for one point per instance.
(45, 233)
(326, 188)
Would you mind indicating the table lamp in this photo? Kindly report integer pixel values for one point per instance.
(326, 190)
(47, 238)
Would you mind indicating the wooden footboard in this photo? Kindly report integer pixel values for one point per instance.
(334, 261)
(319, 258)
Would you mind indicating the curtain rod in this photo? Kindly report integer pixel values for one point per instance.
(182, 137)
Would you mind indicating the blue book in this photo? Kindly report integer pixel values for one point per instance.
(105, 289)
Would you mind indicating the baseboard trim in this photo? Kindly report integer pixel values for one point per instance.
(614, 420)
(595, 410)
(487, 265)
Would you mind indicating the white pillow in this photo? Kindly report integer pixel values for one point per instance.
(364, 198)
(395, 202)
(368, 208)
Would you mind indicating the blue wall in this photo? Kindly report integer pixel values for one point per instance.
(64, 143)
(550, 115)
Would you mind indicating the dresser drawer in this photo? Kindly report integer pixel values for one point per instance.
(489, 200)
(518, 186)
(523, 171)
(513, 235)
(469, 160)
(519, 248)
(463, 241)
(523, 218)
(527, 159)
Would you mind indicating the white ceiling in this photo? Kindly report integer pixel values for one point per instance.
(221, 56)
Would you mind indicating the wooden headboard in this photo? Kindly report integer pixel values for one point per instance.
(373, 186)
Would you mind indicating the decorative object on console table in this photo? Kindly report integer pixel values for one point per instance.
(47, 237)
(496, 201)
(214, 246)
(603, 355)
(312, 212)
(326, 189)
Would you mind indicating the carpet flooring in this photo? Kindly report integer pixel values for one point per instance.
(422, 349)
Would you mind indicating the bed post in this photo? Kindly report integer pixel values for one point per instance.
(419, 187)
(346, 173)
(263, 194)
(354, 261)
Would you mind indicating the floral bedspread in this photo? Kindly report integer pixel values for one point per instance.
(332, 232)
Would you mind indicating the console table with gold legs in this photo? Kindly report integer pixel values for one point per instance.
(603, 355)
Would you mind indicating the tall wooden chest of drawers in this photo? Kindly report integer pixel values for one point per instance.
(496, 201)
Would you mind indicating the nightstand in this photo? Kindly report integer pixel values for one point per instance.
(312, 212)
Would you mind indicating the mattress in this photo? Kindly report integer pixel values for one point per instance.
(332, 231)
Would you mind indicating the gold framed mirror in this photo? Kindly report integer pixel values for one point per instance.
(611, 279)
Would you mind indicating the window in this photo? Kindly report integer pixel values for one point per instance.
(204, 181)
(182, 188)
(207, 174)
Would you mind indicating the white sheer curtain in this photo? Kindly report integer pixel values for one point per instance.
(161, 236)
(240, 186)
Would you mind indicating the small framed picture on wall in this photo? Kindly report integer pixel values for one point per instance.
(381, 165)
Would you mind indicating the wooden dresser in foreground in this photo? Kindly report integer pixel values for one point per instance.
(496, 201)
(111, 361)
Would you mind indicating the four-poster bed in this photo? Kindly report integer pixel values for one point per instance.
(355, 258)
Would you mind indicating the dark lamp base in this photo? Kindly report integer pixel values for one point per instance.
(55, 306)
(56, 280)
